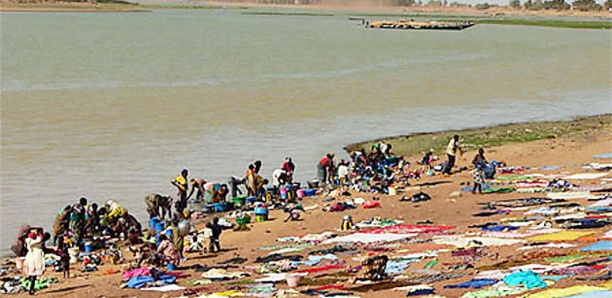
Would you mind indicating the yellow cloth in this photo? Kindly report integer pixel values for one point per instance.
(574, 290)
(181, 181)
(119, 211)
(560, 236)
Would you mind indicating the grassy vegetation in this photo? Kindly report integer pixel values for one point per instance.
(198, 6)
(489, 136)
(551, 23)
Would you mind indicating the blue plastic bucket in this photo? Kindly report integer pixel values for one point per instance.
(208, 208)
(169, 232)
(171, 267)
(220, 207)
(153, 222)
(260, 211)
(159, 227)
(88, 247)
(310, 192)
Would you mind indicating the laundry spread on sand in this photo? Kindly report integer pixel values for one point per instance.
(369, 238)
(527, 235)
(561, 236)
(585, 176)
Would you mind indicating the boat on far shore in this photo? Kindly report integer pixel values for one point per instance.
(420, 25)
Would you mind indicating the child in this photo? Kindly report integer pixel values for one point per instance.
(347, 223)
(207, 238)
(62, 252)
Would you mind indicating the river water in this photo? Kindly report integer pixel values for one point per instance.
(114, 105)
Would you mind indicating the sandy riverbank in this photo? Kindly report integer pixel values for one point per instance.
(570, 151)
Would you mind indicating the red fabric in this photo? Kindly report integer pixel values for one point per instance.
(407, 229)
(319, 269)
(371, 204)
(325, 161)
(596, 216)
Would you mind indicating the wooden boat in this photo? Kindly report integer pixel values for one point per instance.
(416, 25)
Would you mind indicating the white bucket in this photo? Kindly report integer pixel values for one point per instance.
(293, 280)
(392, 191)
(19, 263)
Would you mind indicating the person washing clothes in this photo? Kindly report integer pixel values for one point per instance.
(347, 223)
(199, 186)
(325, 168)
(295, 213)
(182, 186)
(289, 167)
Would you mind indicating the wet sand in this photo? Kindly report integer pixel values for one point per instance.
(570, 151)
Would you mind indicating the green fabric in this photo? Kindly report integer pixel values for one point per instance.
(499, 190)
(431, 264)
(41, 283)
(495, 292)
(563, 259)
(200, 282)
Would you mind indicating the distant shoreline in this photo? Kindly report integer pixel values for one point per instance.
(496, 135)
(494, 11)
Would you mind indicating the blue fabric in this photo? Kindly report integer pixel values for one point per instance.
(550, 168)
(138, 282)
(601, 245)
(421, 292)
(605, 155)
(500, 228)
(530, 279)
(557, 277)
(397, 267)
(313, 260)
(593, 294)
(474, 283)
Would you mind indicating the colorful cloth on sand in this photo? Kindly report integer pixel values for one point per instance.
(529, 279)
(564, 292)
(474, 283)
(407, 229)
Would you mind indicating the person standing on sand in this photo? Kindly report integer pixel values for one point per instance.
(34, 264)
(478, 174)
(325, 167)
(182, 186)
(217, 229)
(77, 219)
(289, 167)
(451, 151)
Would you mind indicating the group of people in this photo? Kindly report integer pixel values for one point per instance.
(82, 220)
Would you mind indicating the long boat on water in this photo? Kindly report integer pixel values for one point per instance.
(416, 25)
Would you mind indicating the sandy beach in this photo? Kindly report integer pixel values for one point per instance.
(569, 152)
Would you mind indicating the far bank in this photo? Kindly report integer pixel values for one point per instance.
(473, 138)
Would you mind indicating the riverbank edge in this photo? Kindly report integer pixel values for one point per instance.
(488, 136)
(497, 15)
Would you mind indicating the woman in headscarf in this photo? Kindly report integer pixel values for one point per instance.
(18, 246)
(62, 222)
(34, 264)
